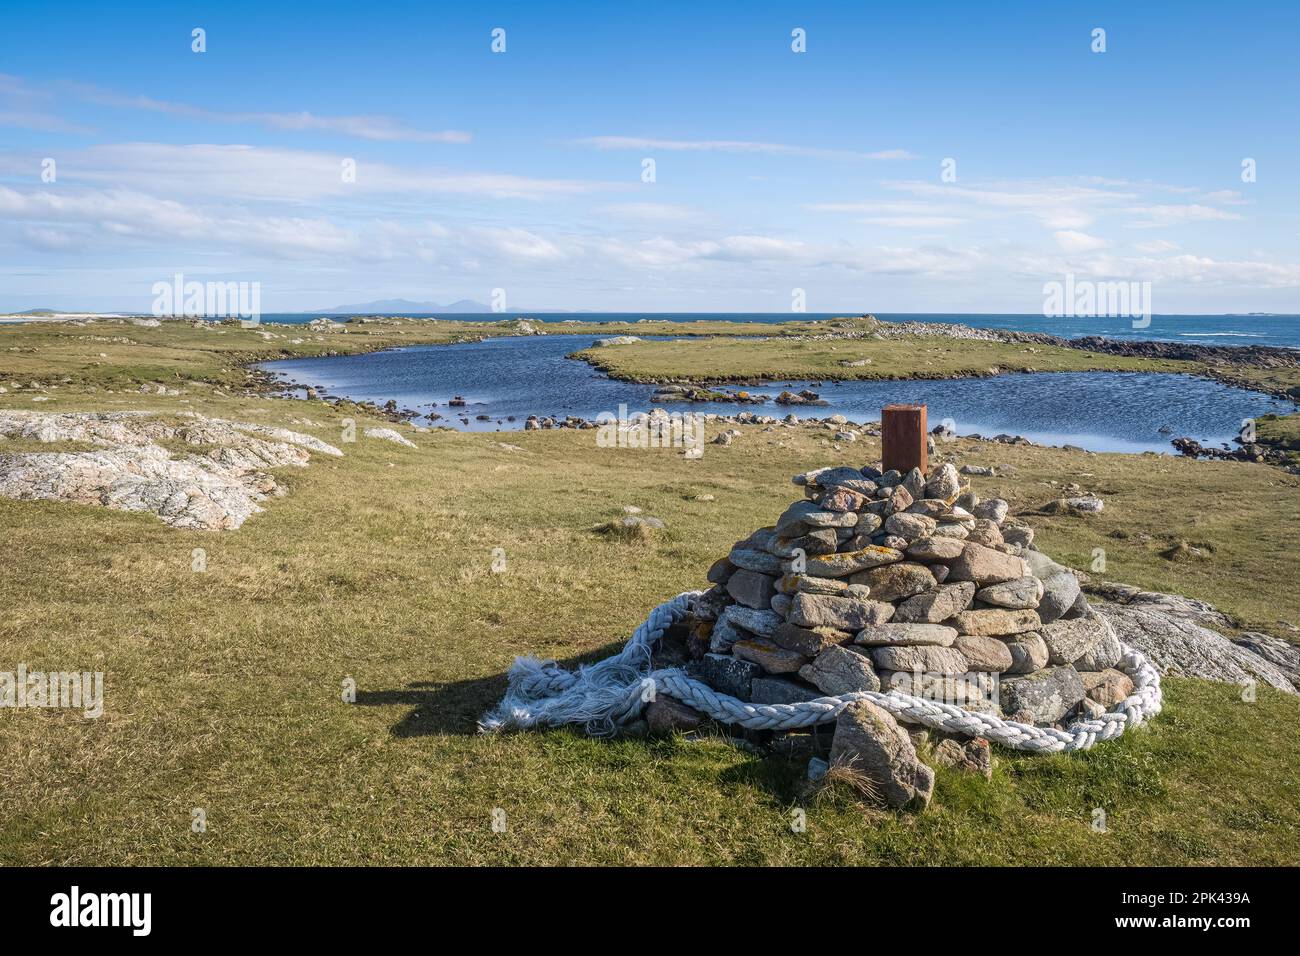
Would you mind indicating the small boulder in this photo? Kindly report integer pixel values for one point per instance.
(869, 741)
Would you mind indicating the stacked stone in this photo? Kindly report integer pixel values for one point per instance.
(884, 581)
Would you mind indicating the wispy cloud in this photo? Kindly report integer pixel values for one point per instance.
(241, 172)
(734, 146)
(376, 127)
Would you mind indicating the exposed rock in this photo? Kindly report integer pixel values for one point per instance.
(868, 741)
(930, 550)
(217, 489)
(1177, 645)
(1282, 654)
(761, 622)
(944, 483)
(388, 434)
(971, 691)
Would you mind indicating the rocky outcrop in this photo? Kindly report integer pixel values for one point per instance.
(1177, 644)
(217, 487)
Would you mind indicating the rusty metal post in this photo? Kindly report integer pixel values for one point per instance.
(903, 438)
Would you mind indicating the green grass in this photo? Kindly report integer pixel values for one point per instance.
(912, 357)
(223, 688)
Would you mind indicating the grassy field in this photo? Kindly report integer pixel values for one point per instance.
(223, 687)
(913, 357)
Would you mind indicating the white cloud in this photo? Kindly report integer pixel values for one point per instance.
(735, 146)
(1165, 214)
(1072, 241)
(240, 172)
(376, 127)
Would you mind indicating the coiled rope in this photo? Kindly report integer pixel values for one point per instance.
(609, 694)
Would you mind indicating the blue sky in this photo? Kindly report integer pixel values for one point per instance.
(774, 170)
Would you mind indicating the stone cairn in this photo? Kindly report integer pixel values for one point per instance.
(879, 581)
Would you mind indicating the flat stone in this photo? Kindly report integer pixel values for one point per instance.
(809, 641)
(933, 660)
(769, 655)
(847, 562)
(844, 613)
(906, 635)
(995, 622)
(791, 583)
(760, 562)
(1068, 640)
(840, 670)
(895, 582)
(952, 530)
(818, 541)
(1023, 592)
(761, 622)
(869, 741)
(985, 566)
(984, 653)
(934, 607)
(751, 588)
(1046, 696)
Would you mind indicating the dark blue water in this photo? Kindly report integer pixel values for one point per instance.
(1278, 330)
(522, 376)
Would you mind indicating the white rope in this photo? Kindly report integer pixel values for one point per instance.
(613, 692)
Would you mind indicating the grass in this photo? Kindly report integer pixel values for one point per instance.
(913, 357)
(223, 688)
